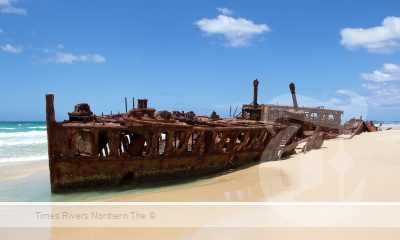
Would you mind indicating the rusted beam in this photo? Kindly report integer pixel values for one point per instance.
(126, 105)
(50, 121)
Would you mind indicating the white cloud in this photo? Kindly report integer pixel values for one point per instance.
(389, 72)
(7, 6)
(379, 39)
(237, 31)
(92, 58)
(382, 88)
(383, 94)
(225, 11)
(64, 58)
(14, 10)
(11, 49)
(68, 58)
(5, 2)
(47, 50)
(335, 101)
(56, 48)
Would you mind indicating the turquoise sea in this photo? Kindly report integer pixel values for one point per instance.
(22, 142)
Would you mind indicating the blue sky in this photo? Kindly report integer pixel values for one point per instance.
(198, 55)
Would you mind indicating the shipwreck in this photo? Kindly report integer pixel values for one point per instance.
(144, 145)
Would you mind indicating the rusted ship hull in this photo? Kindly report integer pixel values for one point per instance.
(143, 145)
(88, 173)
(103, 152)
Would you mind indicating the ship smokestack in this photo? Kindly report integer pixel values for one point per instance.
(293, 92)
(255, 84)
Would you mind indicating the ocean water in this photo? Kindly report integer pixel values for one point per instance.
(22, 142)
(395, 125)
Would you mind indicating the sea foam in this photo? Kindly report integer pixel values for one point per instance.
(23, 138)
(5, 135)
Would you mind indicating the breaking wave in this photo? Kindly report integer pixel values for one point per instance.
(22, 142)
(23, 138)
(41, 127)
(22, 134)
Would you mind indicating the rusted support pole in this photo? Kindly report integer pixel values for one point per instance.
(293, 92)
(255, 93)
(95, 144)
(235, 111)
(50, 116)
(158, 143)
(133, 103)
(175, 141)
(50, 121)
(115, 142)
(199, 142)
(168, 143)
(126, 105)
(192, 142)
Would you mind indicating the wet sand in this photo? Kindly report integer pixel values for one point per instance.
(14, 172)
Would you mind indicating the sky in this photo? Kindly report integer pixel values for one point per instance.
(199, 55)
